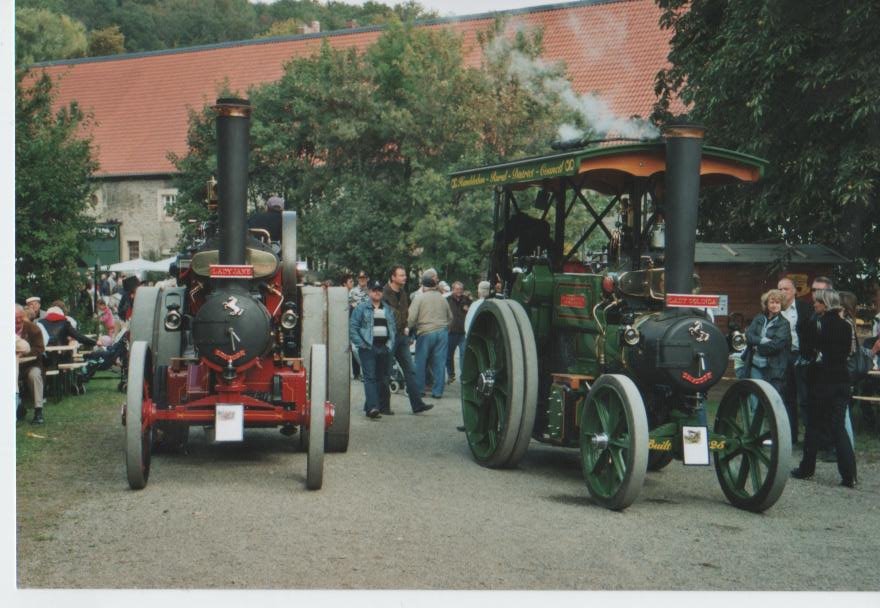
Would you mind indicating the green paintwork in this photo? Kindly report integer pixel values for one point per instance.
(556, 413)
(531, 171)
(744, 462)
(604, 468)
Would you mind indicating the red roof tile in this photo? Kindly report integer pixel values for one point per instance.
(140, 101)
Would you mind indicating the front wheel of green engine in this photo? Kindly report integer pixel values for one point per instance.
(754, 465)
(493, 384)
(614, 441)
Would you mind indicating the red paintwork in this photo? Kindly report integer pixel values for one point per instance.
(687, 300)
(192, 398)
(191, 401)
(695, 380)
(238, 271)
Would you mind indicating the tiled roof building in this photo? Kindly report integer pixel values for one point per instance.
(613, 48)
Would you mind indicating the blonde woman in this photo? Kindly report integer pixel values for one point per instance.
(769, 342)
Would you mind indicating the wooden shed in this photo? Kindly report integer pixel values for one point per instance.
(744, 271)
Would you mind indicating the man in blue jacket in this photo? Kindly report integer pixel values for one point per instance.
(372, 331)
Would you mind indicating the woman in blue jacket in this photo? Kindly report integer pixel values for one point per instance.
(769, 342)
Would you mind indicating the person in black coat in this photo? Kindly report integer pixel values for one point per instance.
(829, 387)
(769, 340)
(270, 219)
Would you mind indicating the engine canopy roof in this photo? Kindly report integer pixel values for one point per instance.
(608, 170)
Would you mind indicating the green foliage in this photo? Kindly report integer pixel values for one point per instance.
(53, 165)
(361, 146)
(41, 35)
(337, 15)
(147, 25)
(799, 86)
(106, 41)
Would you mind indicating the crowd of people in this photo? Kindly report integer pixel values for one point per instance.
(110, 302)
(386, 319)
(802, 350)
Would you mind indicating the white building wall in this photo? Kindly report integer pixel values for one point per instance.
(137, 205)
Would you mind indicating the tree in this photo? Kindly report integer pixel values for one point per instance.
(361, 146)
(107, 41)
(53, 164)
(798, 87)
(41, 35)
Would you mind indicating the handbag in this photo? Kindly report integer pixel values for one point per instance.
(859, 363)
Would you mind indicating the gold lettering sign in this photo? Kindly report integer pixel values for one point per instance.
(662, 446)
(717, 445)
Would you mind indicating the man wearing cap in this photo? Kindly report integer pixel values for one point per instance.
(396, 297)
(429, 316)
(29, 343)
(372, 330)
(33, 311)
(270, 219)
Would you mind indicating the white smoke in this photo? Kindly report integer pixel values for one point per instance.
(545, 85)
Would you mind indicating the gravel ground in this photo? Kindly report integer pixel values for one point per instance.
(407, 508)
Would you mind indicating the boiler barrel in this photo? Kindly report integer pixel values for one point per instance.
(233, 148)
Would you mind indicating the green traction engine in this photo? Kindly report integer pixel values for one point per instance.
(614, 354)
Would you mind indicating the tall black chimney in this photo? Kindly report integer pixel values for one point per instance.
(233, 148)
(684, 149)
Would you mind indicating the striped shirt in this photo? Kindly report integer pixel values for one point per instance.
(380, 326)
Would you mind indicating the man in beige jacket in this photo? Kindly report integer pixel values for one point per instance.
(429, 318)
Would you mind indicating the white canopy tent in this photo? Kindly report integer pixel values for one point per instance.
(138, 265)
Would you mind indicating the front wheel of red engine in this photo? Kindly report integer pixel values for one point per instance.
(317, 397)
(138, 436)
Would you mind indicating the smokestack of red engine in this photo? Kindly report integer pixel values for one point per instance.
(233, 149)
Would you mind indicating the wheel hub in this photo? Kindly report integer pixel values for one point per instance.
(599, 441)
(486, 382)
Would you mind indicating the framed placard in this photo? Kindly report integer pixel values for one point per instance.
(695, 444)
(229, 422)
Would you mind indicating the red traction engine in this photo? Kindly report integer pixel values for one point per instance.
(240, 343)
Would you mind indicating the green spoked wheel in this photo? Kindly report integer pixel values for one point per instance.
(753, 467)
(138, 435)
(614, 441)
(493, 384)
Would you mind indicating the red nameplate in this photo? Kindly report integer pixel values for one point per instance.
(686, 300)
(572, 300)
(232, 271)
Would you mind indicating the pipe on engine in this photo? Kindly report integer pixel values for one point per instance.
(684, 150)
(233, 148)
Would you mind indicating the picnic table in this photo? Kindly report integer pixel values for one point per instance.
(870, 389)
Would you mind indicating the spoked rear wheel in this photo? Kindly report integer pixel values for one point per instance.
(753, 467)
(138, 433)
(614, 441)
(317, 397)
(492, 384)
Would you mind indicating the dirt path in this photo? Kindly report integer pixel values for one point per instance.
(407, 508)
